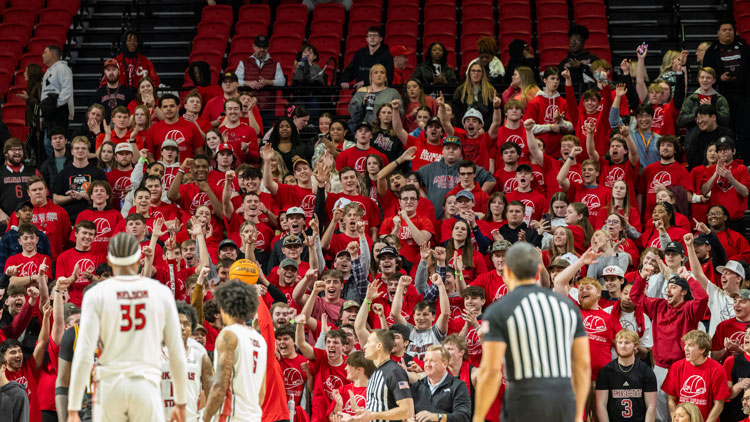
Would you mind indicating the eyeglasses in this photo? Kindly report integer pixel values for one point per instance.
(466, 174)
(409, 199)
(715, 214)
(744, 399)
(612, 222)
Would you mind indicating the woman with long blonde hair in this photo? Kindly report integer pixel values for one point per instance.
(475, 92)
(368, 99)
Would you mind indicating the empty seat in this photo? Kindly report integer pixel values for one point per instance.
(37, 45)
(515, 10)
(589, 9)
(292, 13)
(439, 11)
(440, 27)
(597, 39)
(478, 25)
(594, 24)
(553, 40)
(329, 11)
(220, 13)
(448, 41)
(213, 28)
(32, 5)
(477, 11)
(5, 76)
(325, 42)
(474, 3)
(355, 43)
(14, 113)
(235, 57)
(289, 29)
(403, 12)
(19, 33)
(557, 10)
(401, 27)
(51, 30)
(29, 58)
(16, 130)
(551, 57)
(19, 17)
(259, 13)
(209, 43)
(285, 43)
(602, 52)
(329, 28)
(552, 25)
(365, 11)
(54, 16)
(71, 6)
(406, 40)
(8, 61)
(431, 3)
(250, 30)
(515, 25)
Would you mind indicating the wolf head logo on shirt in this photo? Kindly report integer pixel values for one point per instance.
(615, 174)
(292, 378)
(592, 201)
(694, 386)
(517, 140)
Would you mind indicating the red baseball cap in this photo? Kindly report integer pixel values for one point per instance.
(400, 50)
(225, 147)
(111, 62)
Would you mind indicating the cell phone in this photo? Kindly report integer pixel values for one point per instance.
(642, 48)
(545, 216)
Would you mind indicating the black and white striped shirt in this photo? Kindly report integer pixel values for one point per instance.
(387, 385)
(538, 326)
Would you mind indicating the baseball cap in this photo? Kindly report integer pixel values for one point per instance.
(227, 242)
(287, 262)
(682, 283)
(225, 147)
(724, 141)
(675, 247)
(343, 252)
(433, 121)
(123, 147)
(350, 304)
(170, 143)
(570, 257)
(465, 194)
(742, 293)
(365, 125)
(400, 50)
(70, 308)
(200, 327)
(613, 270)
(23, 204)
(734, 267)
(387, 250)
(472, 112)
(297, 160)
(500, 246)
(261, 41)
(295, 210)
(558, 263)
(402, 329)
(524, 168)
(292, 240)
(111, 62)
(452, 140)
(701, 239)
(229, 76)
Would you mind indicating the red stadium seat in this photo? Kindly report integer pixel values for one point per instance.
(5, 76)
(401, 27)
(597, 39)
(365, 11)
(71, 6)
(515, 10)
(439, 11)
(551, 57)
(448, 41)
(603, 53)
(515, 25)
(32, 5)
(250, 30)
(17, 130)
(325, 43)
(212, 28)
(589, 9)
(477, 11)
(288, 29)
(359, 27)
(330, 12)
(220, 13)
(286, 60)
(327, 28)
(29, 58)
(235, 57)
(354, 43)
(556, 10)
(213, 58)
(478, 26)
(406, 40)
(285, 44)
(475, 3)
(258, 13)
(594, 24)
(469, 42)
(345, 97)
(431, 3)
(14, 113)
(8, 60)
(55, 16)
(743, 23)
(292, 13)
(403, 12)
(553, 40)
(552, 25)
(209, 43)
(50, 30)
(13, 97)
(540, 3)
(8, 35)
(440, 27)
(19, 17)
(331, 69)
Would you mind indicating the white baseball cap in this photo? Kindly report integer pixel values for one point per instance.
(734, 267)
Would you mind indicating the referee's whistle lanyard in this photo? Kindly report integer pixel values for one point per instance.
(646, 142)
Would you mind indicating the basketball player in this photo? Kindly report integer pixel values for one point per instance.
(240, 357)
(128, 316)
(199, 369)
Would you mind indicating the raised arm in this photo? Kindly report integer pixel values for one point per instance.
(497, 116)
(590, 144)
(385, 172)
(226, 195)
(226, 344)
(267, 154)
(695, 265)
(360, 323)
(563, 278)
(445, 306)
(299, 338)
(174, 189)
(419, 236)
(398, 300)
(398, 127)
(562, 175)
(534, 150)
(581, 377)
(640, 73)
(43, 339)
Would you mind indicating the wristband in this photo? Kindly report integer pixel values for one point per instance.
(696, 199)
(143, 159)
(570, 157)
(368, 302)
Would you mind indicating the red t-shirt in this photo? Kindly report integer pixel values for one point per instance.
(664, 117)
(327, 379)
(533, 199)
(113, 138)
(610, 173)
(106, 221)
(477, 149)
(409, 248)
(28, 377)
(493, 285)
(481, 199)
(667, 175)
(87, 262)
(53, 221)
(426, 152)
(542, 109)
(700, 385)
(294, 377)
(121, 185)
(242, 134)
(517, 135)
(187, 135)
(289, 196)
(191, 197)
(347, 392)
(724, 193)
(372, 213)
(29, 265)
(356, 158)
(506, 180)
(728, 329)
(593, 197)
(340, 241)
(472, 339)
(601, 331)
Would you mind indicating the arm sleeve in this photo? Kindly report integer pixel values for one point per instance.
(176, 349)
(461, 411)
(83, 359)
(360, 278)
(722, 111)
(614, 117)
(348, 74)
(66, 86)
(276, 293)
(4, 251)
(398, 382)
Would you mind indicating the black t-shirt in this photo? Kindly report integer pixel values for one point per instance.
(390, 145)
(77, 179)
(112, 98)
(626, 385)
(390, 381)
(696, 150)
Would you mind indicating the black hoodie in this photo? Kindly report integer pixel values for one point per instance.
(359, 68)
(425, 71)
(515, 50)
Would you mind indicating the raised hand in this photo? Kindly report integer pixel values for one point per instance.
(396, 105)
(425, 252)
(229, 176)
(353, 249)
(701, 227)
(458, 261)
(377, 308)
(497, 102)
(647, 271)
(624, 131)
(589, 257)
(590, 127)
(436, 280)
(440, 100)
(187, 165)
(405, 281)
(11, 271)
(440, 254)
(566, 74)
(373, 290)
(266, 152)
(576, 151)
(688, 239)
(528, 124)
(409, 154)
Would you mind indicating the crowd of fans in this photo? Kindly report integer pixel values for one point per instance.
(399, 217)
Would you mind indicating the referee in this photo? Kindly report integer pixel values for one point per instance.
(545, 346)
(388, 392)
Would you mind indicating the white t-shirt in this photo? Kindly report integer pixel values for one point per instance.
(720, 305)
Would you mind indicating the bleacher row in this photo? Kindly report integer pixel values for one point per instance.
(331, 29)
(26, 28)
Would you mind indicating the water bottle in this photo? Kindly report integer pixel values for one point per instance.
(291, 405)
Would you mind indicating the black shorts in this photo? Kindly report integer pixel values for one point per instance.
(542, 403)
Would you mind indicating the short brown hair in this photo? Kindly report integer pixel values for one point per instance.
(12, 143)
(700, 338)
(85, 224)
(99, 183)
(120, 110)
(357, 359)
(628, 335)
(459, 342)
(80, 140)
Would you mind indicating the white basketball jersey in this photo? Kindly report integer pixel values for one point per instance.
(241, 399)
(194, 367)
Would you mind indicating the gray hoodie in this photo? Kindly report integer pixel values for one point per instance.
(439, 178)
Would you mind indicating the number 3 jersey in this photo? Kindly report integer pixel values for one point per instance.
(627, 386)
(241, 400)
(194, 356)
(131, 315)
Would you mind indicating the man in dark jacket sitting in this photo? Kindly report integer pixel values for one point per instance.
(440, 397)
(376, 52)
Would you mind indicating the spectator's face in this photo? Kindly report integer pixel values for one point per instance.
(485, 59)
(437, 53)
(131, 42)
(58, 142)
(124, 158)
(309, 54)
(14, 358)
(588, 295)
(474, 303)
(193, 104)
(229, 86)
(560, 238)
(423, 318)
(434, 132)
(514, 214)
(224, 159)
(200, 170)
(612, 283)
(350, 220)
(408, 201)
(673, 259)
(693, 353)
(706, 81)
(552, 82)
(377, 76)
(434, 365)
(260, 52)
(510, 156)
(397, 182)
(524, 179)
(705, 122)
(666, 150)
(25, 214)
(589, 174)
(169, 108)
(476, 73)
(466, 175)
(337, 132)
(228, 252)
(285, 343)
(472, 126)
(96, 114)
(590, 104)
(742, 309)
(15, 155)
(560, 208)
(280, 317)
(154, 186)
(348, 316)
(136, 228)
(464, 204)
(374, 39)
(399, 62)
(301, 122)
(28, 241)
(188, 251)
(84, 237)
(613, 226)
(386, 115)
(343, 263)
(617, 151)
(169, 154)
(660, 214)
(451, 206)
(451, 153)
(364, 135)
(571, 216)
(112, 73)
(514, 114)
(625, 347)
(285, 130)
(79, 150)
(666, 92)
(663, 196)
(575, 42)
(334, 347)
(99, 195)
(726, 155)
(37, 193)
(726, 33)
(566, 147)
(372, 166)
(716, 217)
(388, 266)
(460, 232)
(644, 121)
(730, 280)
(213, 140)
(412, 89)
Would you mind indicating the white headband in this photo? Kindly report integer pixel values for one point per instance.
(124, 261)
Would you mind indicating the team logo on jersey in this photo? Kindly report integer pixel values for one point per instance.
(528, 204)
(510, 185)
(200, 199)
(663, 178)
(167, 180)
(473, 341)
(359, 165)
(615, 174)
(724, 184)
(575, 177)
(177, 136)
(292, 378)
(592, 201)
(332, 383)
(589, 120)
(550, 112)
(516, 140)
(102, 227)
(405, 233)
(594, 324)
(658, 116)
(455, 311)
(501, 291)
(308, 204)
(656, 243)
(28, 269)
(260, 241)
(538, 177)
(694, 386)
(85, 265)
(359, 400)
(121, 186)
(157, 215)
(23, 381)
(738, 337)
